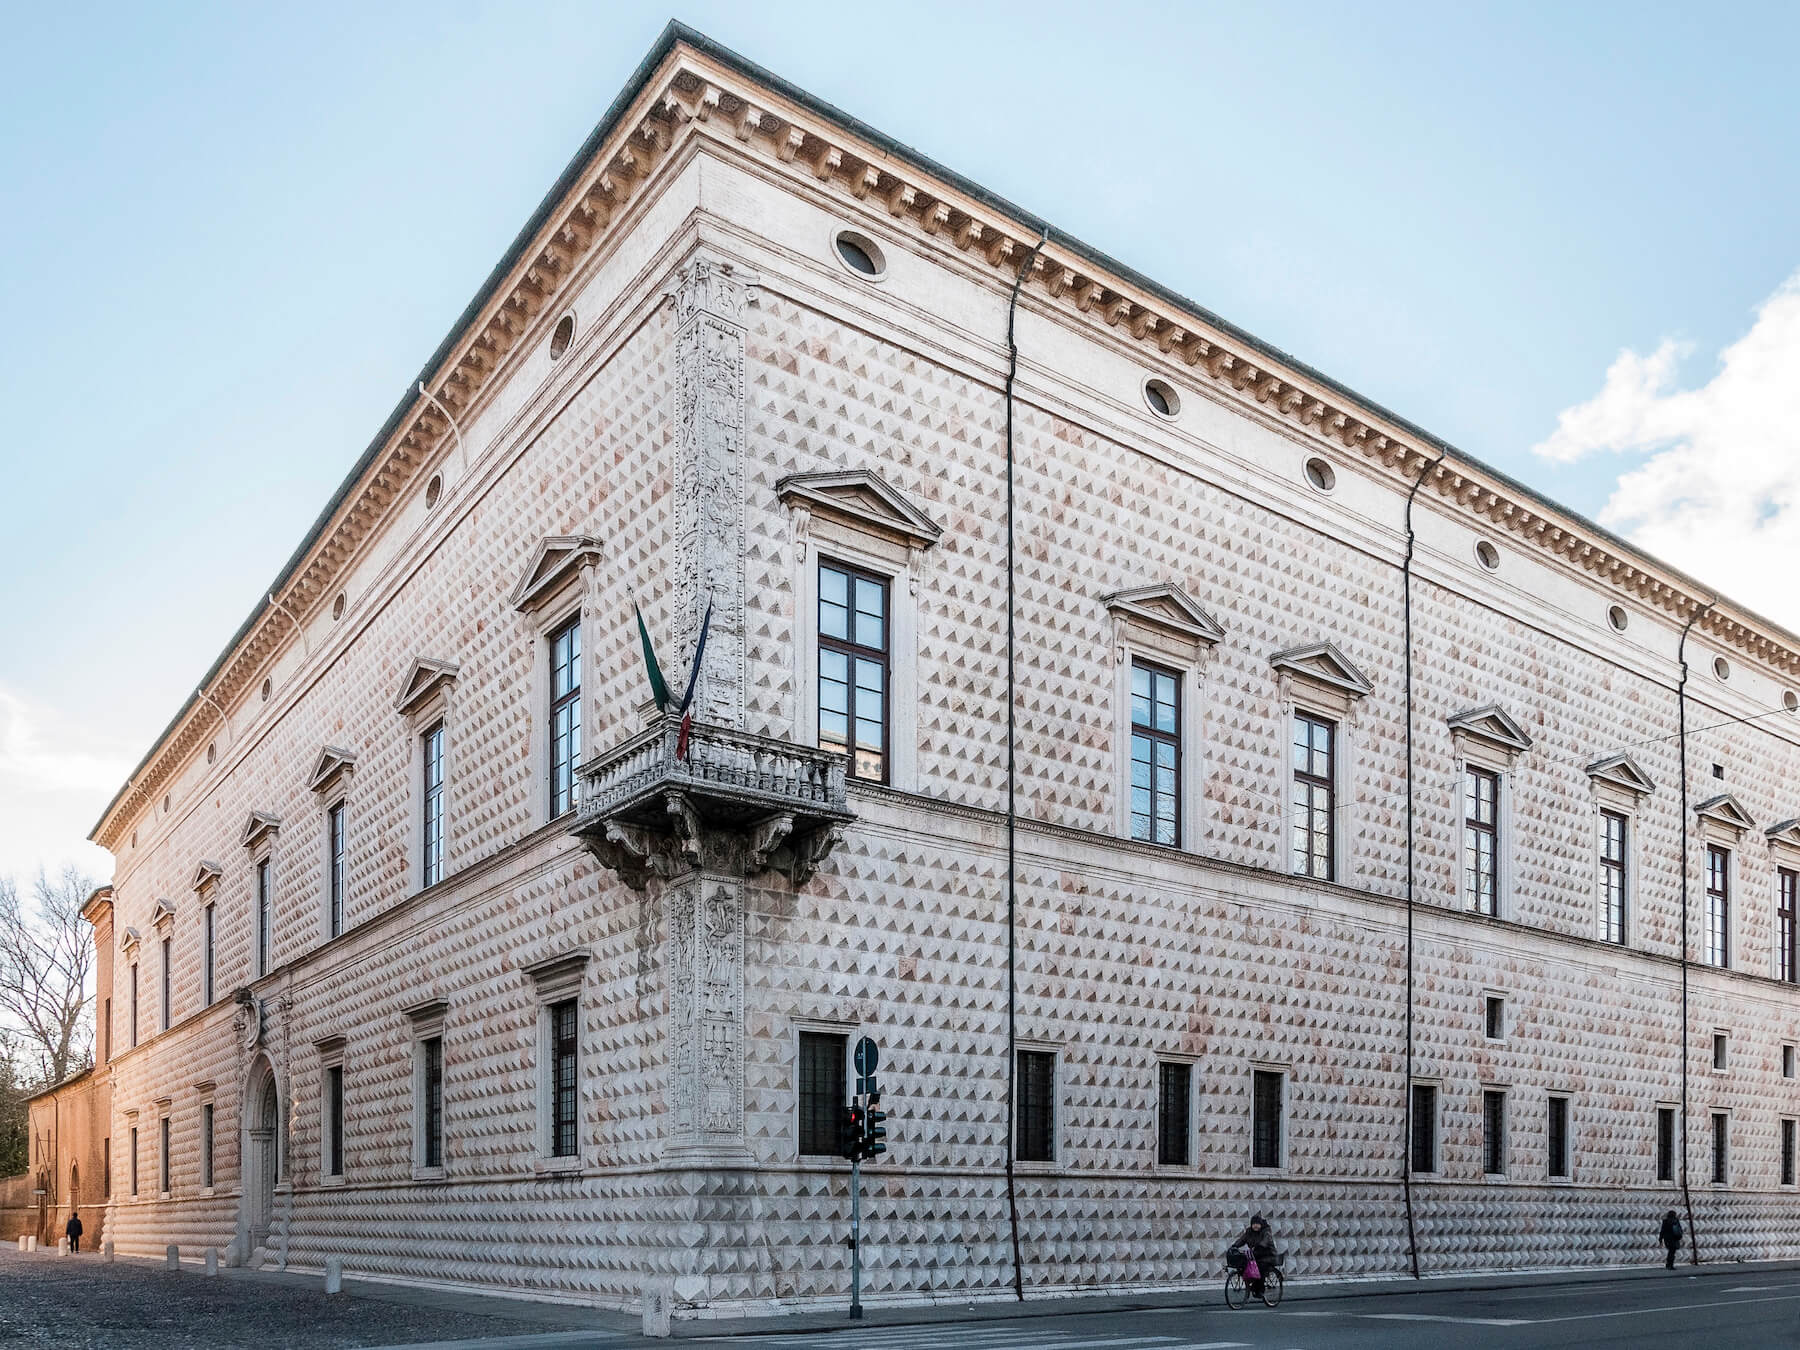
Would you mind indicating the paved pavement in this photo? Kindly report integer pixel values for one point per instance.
(46, 1300)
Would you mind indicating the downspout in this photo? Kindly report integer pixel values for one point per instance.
(1406, 574)
(1687, 1194)
(1012, 817)
(294, 619)
(462, 455)
(217, 707)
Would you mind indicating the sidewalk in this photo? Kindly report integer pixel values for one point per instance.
(1202, 1296)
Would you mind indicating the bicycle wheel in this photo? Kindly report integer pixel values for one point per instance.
(1271, 1288)
(1237, 1293)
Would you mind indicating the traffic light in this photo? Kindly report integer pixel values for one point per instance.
(853, 1133)
(874, 1128)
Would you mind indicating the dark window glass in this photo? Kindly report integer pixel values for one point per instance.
(334, 870)
(431, 862)
(1721, 1051)
(1265, 1118)
(821, 1099)
(1496, 1018)
(1314, 805)
(1612, 873)
(432, 1051)
(163, 1161)
(106, 1167)
(1665, 1143)
(1493, 1141)
(853, 668)
(1787, 954)
(206, 955)
(1155, 754)
(106, 1034)
(1557, 1137)
(1037, 1106)
(263, 917)
(1172, 1114)
(1718, 906)
(1787, 1061)
(1787, 1153)
(1721, 1147)
(565, 715)
(1424, 1127)
(134, 1160)
(206, 1145)
(334, 1121)
(168, 989)
(1481, 841)
(134, 1004)
(565, 1081)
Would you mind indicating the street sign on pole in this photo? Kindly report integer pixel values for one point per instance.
(868, 1058)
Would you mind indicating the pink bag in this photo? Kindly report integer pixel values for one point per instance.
(1252, 1271)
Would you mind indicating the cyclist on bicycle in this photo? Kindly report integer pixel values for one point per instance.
(1260, 1239)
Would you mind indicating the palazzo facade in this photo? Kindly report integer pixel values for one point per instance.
(1349, 871)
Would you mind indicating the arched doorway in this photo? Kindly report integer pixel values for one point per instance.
(260, 1152)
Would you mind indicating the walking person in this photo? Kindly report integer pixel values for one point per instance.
(1670, 1237)
(72, 1231)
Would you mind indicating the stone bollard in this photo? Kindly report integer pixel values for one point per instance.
(212, 1260)
(172, 1257)
(658, 1296)
(62, 1246)
(106, 1251)
(31, 1243)
(334, 1274)
(22, 1246)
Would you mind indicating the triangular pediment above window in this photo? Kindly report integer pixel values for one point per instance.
(424, 679)
(1785, 832)
(333, 763)
(128, 941)
(259, 827)
(862, 498)
(205, 874)
(1494, 725)
(164, 914)
(1323, 663)
(1622, 772)
(1169, 608)
(1724, 810)
(553, 562)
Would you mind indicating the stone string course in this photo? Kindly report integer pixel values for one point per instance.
(665, 439)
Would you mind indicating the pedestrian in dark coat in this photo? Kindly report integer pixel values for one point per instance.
(1670, 1237)
(72, 1231)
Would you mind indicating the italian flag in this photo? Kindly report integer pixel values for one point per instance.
(659, 687)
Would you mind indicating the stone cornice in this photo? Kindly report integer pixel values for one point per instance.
(690, 88)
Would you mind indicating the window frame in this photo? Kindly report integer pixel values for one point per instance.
(1787, 1145)
(337, 863)
(565, 1043)
(1718, 905)
(854, 652)
(1668, 1125)
(1154, 737)
(1721, 1148)
(1496, 1133)
(334, 1112)
(1181, 1120)
(1559, 1162)
(432, 814)
(165, 1173)
(262, 884)
(208, 1146)
(1473, 828)
(134, 1005)
(1493, 1001)
(1721, 1050)
(1615, 877)
(1259, 1075)
(134, 1161)
(1431, 1138)
(809, 1087)
(208, 954)
(1787, 924)
(557, 983)
(1046, 1096)
(564, 798)
(166, 995)
(1328, 783)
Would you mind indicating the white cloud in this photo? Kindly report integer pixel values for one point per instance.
(1717, 489)
(54, 782)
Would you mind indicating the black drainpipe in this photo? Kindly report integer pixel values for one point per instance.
(1012, 818)
(1412, 1232)
(1687, 1194)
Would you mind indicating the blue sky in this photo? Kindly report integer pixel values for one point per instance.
(1558, 236)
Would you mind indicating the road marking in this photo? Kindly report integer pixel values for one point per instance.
(1433, 1316)
(1751, 1289)
(546, 1340)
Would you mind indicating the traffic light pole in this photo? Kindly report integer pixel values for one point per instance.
(856, 1239)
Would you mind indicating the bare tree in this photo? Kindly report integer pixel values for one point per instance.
(46, 957)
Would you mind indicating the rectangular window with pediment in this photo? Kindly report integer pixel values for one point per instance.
(207, 929)
(264, 916)
(1718, 906)
(853, 668)
(1787, 940)
(1481, 840)
(565, 715)
(431, 834)
(1613, 837)
(334, 870)
(1314, 804)
(1155, 754)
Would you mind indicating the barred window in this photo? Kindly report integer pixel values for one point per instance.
(1315, 796)
(1172, 1146)
(1557, 1137)
(1718, 906)
(565, 715)
(1424, 1128)
(1665, 1143)
(1612, 873)
(134, 1160)
(168, 981)
(1481, 840)
(1037, 1106)
(206, 1145)
(1493, 1141)
(431, 1126)
(1155, 754)
(565, 1078)
(1266, 1090)
(1787, 1153)
(1721, 1148)
(821, 1099)
(334, 1121)
(162, 1160)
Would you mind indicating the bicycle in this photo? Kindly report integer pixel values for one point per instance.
(1239, 1290)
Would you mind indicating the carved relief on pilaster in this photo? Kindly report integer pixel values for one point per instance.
(711, 297)
(706, 1011)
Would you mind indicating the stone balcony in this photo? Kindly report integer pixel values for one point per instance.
(734, 800)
